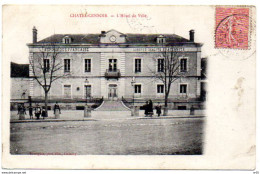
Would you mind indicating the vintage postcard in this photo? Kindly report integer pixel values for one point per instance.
(128, 87)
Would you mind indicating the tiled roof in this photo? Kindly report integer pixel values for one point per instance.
(130, 38)
(19, 70)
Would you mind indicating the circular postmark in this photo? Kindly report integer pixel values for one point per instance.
(140, 24)
(235, 37)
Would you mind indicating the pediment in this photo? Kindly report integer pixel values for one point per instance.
(112, 36)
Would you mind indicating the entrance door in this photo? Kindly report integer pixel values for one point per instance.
(112, 92)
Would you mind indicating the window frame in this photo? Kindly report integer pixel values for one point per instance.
(141, 66)
(83, 91)
(84, 65)
(63, 90)
(160, 58)
(114, 64)
(180, 87)
(160, 93)
(85, 96)
(187, 64)
(48, 70)
(138, 84)
(136, 70)
(64, 65)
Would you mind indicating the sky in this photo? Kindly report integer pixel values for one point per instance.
(18, 21)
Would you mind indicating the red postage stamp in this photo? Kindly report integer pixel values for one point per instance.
(232, 27)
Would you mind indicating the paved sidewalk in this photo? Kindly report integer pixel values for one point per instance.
(78, 115)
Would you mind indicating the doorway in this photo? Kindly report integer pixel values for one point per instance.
(112, 92)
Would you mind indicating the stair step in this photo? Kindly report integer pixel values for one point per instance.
(112, 106)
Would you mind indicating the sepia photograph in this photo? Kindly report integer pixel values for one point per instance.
(128, 81)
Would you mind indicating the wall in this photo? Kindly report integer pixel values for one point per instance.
(18, 87)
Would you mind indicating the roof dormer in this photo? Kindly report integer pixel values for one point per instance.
(66, 40)
(161, 39)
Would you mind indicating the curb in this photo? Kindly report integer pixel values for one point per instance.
(37, 121)
(91, 119)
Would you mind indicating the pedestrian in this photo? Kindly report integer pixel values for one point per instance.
(44, 112)
(56, 110)
(158, 110)
(30, 108)
(21, 111)
(192, 109)
(146, 109)
(150, 108)
(37, 111)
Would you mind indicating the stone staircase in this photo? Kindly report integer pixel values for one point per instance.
(111, 110)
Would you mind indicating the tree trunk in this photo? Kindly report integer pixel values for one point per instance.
(165, 110)
(46, 103)
(166, 100)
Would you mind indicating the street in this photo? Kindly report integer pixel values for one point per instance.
(109, 137)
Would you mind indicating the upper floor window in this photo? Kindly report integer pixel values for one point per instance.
(66, 65)
(183, 64)
(87, 65)
(138, 65)
(46, 65)
(137, 89)
(160, 89)
(160, 67)
(66, 40)
(183, 88)
(112, 65)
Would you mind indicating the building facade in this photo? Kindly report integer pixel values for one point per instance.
(113, 65)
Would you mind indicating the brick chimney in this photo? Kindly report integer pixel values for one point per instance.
(34, 35)
(192, 35)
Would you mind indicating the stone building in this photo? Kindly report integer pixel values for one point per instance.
(113, 65)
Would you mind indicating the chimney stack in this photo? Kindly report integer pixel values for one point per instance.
(192, 35)
(34, 35)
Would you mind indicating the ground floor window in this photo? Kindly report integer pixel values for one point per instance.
(160, 89)
(67, 91)
(137, 89)
(183, 89)
(87, 91)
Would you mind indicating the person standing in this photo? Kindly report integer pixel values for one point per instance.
(150, 106)
(30, 108)
(44, 114)
(21, 111)
(146, 109)
(37, 111)
(158, 110)
(56, 110)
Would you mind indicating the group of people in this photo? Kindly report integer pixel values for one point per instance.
(38, 110)
(148, 109)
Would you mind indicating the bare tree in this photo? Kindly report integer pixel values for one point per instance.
(167, 71)
(46, 67)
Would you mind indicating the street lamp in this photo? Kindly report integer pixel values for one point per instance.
(86, 81)
(132, 83)
(87, 111)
